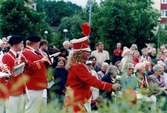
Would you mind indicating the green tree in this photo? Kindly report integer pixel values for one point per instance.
(162, 35)
(73, 25)
(125, 21)
(18, 18)
(56, 10)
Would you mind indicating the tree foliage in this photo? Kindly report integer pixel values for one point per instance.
(73, 25)
(18, 18)
(56, 10)
(125, 21)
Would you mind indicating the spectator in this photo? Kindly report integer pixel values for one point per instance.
(126, 58)
(97, 103)
(144, 93)
(95, 91)
(103, 70)
(128, 80)
(147, 67)
(135, 57)
(94, 66)
(164, 57)
(156, 79)
(145, 56)
(109, 77)
(119, 66)
(66, 45)
(117, 54)
(133, 48)
(60, 78)
(63, 53)
(157, 85)
(163, 70)
(100, 54)
(162, 48)
(153, 56)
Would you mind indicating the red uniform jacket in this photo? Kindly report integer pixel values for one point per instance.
(79, 80)
(35, 70)
(3, 89)
(13, 84)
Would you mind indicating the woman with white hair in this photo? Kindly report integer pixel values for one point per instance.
(163, 70)
(145, 56)
(143, 86)
(101, 73)
(135, 57)
(109, 77)
(157, 85)
(126, 57)
(133, 48)
(140, 74)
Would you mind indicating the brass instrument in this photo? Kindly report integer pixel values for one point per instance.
(45, 56)
(5, 67)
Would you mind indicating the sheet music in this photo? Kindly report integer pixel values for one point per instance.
(55, 54)
(18, 69)
(3, 74)
(50, 84)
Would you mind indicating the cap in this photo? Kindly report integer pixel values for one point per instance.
(81, 44)
(34, 38)
(15, 39)
(88, 62)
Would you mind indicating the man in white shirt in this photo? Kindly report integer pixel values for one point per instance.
(100, 54)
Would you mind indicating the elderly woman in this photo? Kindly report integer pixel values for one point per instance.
(153, 56)
(143, 86)
(133, 48)
(140, 74)
(145, 56)
(109, 77)
(126, 57)
(129, 84)
(157, 79)
(163, 70)
(79, 79)
(157, 84)
(128, 80)
(135, 57)
(103, 70)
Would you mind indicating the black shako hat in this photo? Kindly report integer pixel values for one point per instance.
(34, 38)
(15, 39)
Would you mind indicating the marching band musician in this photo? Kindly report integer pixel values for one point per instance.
(3, 89)
(15, 84)
(43, 50)
(36, 71)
